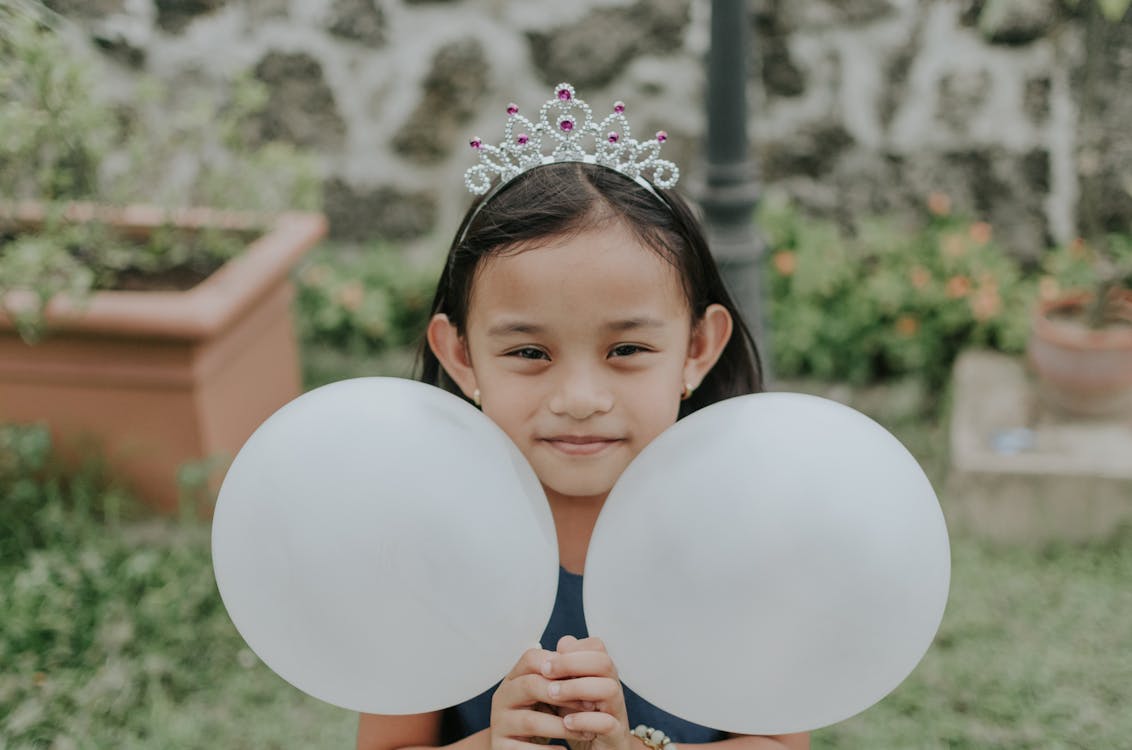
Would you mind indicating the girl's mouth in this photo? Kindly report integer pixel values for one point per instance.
(581, 445)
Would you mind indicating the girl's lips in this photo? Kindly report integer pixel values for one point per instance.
(580, 446)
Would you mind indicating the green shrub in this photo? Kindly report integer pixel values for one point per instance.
(1097, 272)
(54, 133)
(93, 627)
(891, 300)
(43, 504)
(363, 300)
(59, 142)
(113, 633)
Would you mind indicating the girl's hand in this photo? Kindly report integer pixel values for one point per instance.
(588, 694)
(523, 710)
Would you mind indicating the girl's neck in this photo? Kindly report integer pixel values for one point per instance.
(574, 519)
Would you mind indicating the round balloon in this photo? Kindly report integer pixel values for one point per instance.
(384, 546)
(773, 563)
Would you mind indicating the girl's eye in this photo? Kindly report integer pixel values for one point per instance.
(528, 352)
(625, 350)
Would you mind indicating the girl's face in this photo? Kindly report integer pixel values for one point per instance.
(580, 348)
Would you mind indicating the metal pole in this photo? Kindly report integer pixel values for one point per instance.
(731, 189)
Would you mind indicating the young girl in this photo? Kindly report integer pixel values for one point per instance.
(581, 309)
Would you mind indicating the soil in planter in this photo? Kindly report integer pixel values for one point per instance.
(169, 259)
(177, 279)
(1119, 319)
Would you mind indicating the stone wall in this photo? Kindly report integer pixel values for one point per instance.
(1011, 107)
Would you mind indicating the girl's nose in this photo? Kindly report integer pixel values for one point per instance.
(580, 395)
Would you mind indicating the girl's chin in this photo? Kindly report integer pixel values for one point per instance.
(577, 491)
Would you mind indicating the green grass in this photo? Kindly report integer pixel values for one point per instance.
(119, 640)
(1035, 648)
(112, 634)
(1035, 651)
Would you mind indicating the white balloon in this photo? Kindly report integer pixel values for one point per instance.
(384, 546)
(773, 563)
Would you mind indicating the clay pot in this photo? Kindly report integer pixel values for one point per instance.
(160, 378)
(1083, 371)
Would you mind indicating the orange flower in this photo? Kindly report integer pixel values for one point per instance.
(953, 245)
(958, 287)
(985, 303)
(920, 277)
(907, 325)
(351, 295)
(981, 232)
(939, 204)
(1048, 288)
(785, 262)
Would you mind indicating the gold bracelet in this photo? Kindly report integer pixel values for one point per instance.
(653, 738)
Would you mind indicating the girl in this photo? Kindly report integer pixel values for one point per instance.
(582, 311)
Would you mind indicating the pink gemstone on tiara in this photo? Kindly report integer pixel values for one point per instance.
(661, 136)
(512, 109)
(566, 125)
(614, 136)
(564, 94)
(522, 139)
(618, 107)
(475, 143)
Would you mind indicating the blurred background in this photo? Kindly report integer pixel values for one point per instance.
(941, 239)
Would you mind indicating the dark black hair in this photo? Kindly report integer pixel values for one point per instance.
(566, 197)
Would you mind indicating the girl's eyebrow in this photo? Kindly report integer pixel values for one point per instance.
(632, 324)
(512, 327)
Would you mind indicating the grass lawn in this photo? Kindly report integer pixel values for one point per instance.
(113, 636)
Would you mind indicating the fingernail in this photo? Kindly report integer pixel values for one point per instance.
(554, 689)
(546, 667)
(569, 721)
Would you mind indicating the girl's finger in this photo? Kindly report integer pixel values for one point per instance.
(578, 664)
(529, 663)
(592, 722)
(522, 691)
(530, 726)
(592, 690)
(569, 644)
(523, 724)
(566, 644)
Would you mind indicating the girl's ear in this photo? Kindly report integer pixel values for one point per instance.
(450, 348)
(709, 337)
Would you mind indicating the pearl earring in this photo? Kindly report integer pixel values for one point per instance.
(687, 393)
(476, 397)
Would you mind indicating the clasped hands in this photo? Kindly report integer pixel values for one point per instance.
(573, 693)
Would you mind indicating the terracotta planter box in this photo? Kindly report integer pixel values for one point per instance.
(160, 379)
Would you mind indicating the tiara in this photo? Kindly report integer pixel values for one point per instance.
(566, 123)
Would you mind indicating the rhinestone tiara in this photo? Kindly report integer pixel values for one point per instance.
(566, 123)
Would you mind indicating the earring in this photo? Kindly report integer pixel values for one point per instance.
(476, 397)
(687, 393)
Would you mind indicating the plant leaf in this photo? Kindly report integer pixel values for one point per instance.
(1113, 10)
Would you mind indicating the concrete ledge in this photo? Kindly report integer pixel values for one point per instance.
(1019, 473)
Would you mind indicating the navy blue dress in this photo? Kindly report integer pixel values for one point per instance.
(567, 619)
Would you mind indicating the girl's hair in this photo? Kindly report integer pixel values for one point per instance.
(569, 197)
